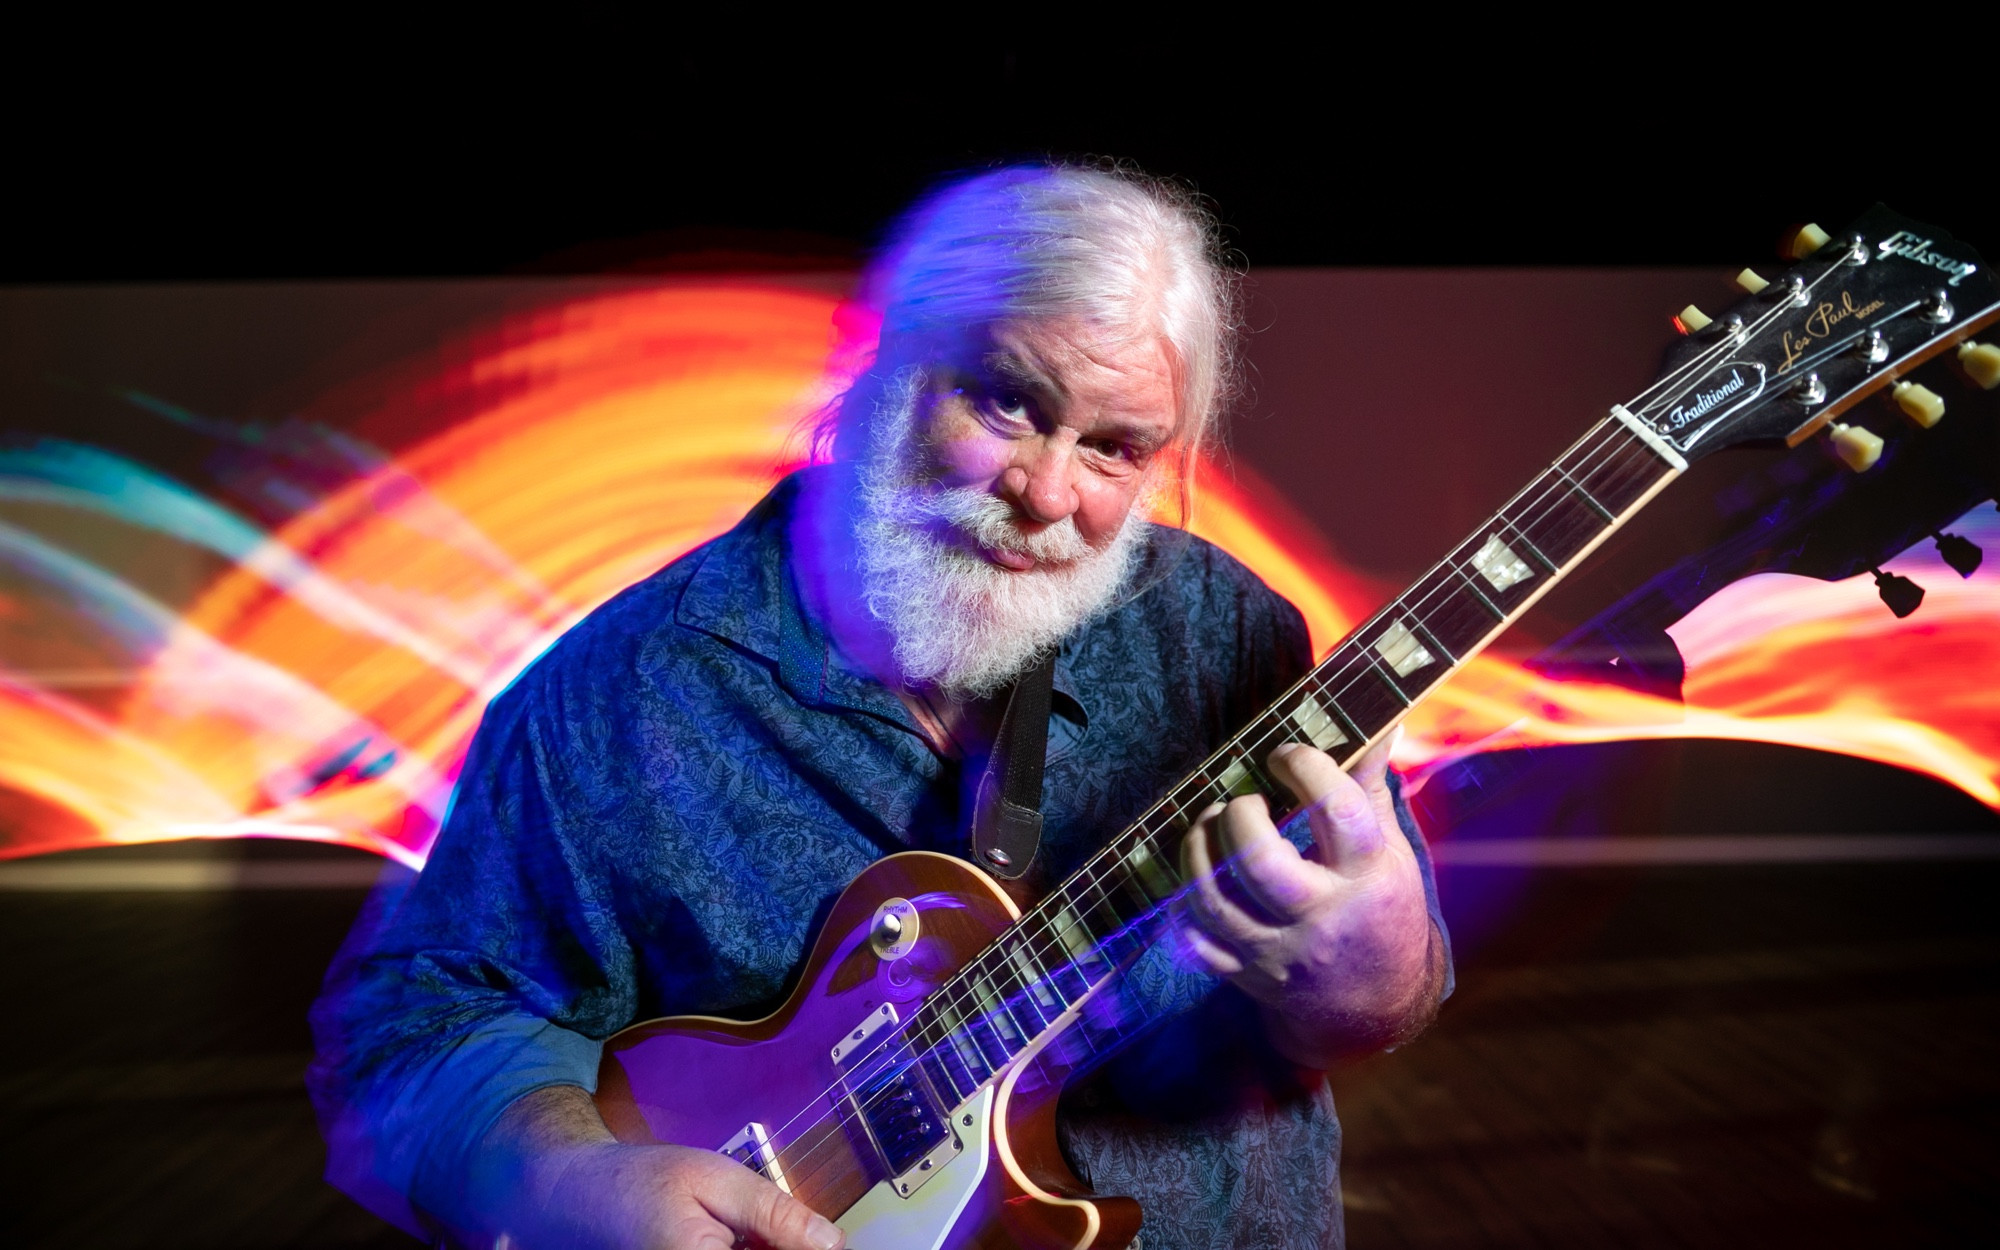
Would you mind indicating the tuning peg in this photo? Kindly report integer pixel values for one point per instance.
(1962, 554)
(1857, 448)
(1692, 320)
(1749, 283)
(1900, 593)
(1806, 240)
(1982, 361)
(1919, 403)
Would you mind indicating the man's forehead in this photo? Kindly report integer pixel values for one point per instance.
(1065, 358)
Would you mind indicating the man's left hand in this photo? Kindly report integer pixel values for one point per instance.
(1337, 945)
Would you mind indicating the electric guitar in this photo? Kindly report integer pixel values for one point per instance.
(907, 1089)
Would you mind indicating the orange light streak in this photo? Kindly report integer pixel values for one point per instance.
(328, 687)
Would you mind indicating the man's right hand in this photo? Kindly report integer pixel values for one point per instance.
(574, 1185)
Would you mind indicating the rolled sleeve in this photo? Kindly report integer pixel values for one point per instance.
(492, 974)
(447, 1106)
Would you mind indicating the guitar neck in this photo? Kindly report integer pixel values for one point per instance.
(1108, 911)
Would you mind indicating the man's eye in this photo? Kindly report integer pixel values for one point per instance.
(1111, 449)
(1011, 405)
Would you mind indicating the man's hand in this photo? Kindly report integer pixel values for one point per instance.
(564, 1181)
(1338, 947)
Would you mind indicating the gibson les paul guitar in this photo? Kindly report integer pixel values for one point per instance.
(907, 1089)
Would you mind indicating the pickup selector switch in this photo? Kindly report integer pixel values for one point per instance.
(894, 929)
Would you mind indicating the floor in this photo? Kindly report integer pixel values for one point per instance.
(1721, 1055)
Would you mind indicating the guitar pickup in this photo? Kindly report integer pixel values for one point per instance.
(852, 1042)
(752, 1148)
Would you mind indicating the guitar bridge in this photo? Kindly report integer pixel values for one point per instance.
(752, 1148)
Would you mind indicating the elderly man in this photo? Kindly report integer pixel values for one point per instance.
(652, 817)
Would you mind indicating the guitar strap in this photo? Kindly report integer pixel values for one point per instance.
(1007, 813)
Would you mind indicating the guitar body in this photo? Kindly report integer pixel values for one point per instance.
(773, 1093)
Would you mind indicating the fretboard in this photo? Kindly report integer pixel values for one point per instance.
(1099, 919)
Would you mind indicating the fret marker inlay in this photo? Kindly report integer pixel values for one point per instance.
(1399, 648)
(1236, 780)
(1498, 564)
(1152, 874)
(1316, 725)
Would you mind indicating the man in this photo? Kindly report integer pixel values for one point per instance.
(652, 816)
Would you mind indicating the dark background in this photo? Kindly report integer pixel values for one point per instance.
(477, 144)
(1695, 1055)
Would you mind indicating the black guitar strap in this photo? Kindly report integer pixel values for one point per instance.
(1007, 813)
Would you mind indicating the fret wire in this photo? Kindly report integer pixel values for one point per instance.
(1479, 594)
(1388, 680)
(1417, 626)
(1535, 553)
(1588, 499)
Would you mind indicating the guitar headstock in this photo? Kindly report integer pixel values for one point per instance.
(1863, 309)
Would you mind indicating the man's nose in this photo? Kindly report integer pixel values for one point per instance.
(1042, 481)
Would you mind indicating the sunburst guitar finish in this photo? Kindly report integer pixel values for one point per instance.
(823, 1098)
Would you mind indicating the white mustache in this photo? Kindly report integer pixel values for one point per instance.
(994, 524)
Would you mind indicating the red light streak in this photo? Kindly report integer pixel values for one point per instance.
(327, 688)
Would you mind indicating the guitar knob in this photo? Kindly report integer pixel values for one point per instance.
(1920, 404)
(1857, 448)
(1808, 239)
(1691, 320)
(1749, 283)
(1982, 362)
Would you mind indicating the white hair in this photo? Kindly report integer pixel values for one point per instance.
(1129, 254)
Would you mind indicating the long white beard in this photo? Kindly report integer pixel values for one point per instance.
(959, 622)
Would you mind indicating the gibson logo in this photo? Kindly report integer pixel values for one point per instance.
(1819, 323)
(1704, 402)
(1910, 247)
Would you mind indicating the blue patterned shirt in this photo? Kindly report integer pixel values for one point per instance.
(650, 819)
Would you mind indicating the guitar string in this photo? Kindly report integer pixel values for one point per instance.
(955, 994)
(1700, 362)
(1086, 882)
(1095, 874)
(996, 1006)
(1116, 854)
(1451, 576)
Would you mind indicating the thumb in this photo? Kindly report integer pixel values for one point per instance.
(1371, 770)
(751, 1205)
